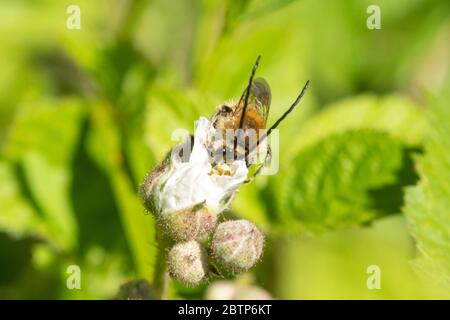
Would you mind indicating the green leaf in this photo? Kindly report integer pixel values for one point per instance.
(50, 187)
(17, 215)
(334, 265)
(173, 109)
(394, 114)
(49, 127)
(261, 8)
(42, 141)
(334, 183)
(428, 203)
(104, 146)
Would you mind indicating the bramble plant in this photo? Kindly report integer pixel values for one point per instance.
(91, 101)
(187, 196)
(196, 183)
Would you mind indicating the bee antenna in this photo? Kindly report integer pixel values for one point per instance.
(247, 92)
(267, 133)
(247, 95)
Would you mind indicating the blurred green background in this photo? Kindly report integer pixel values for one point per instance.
(84, 114)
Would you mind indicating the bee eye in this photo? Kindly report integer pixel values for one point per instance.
(225, 109)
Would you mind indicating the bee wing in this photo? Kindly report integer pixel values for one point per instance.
(259, 99)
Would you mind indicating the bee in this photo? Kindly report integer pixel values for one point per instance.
(247, 119)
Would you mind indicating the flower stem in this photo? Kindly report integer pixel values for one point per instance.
(161, 277)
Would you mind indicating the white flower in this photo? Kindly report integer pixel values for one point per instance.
(194, 182)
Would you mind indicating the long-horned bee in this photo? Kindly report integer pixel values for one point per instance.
(242, 125)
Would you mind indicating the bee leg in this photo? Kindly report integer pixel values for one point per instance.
(257, 172)
(267, 160)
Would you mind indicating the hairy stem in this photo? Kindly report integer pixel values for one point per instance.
(161, 277)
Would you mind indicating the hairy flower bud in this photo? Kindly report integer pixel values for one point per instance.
(188, 262)
(237, 245)
(230, 290)
(189, 224)
(252, 293)
(138, 289)
(148, 188)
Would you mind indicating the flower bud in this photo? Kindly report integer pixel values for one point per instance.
(189, 224)
(138, 289)
(237, 245)
(252, 293)
(148, 189)
(230, 290)
(188, 262)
